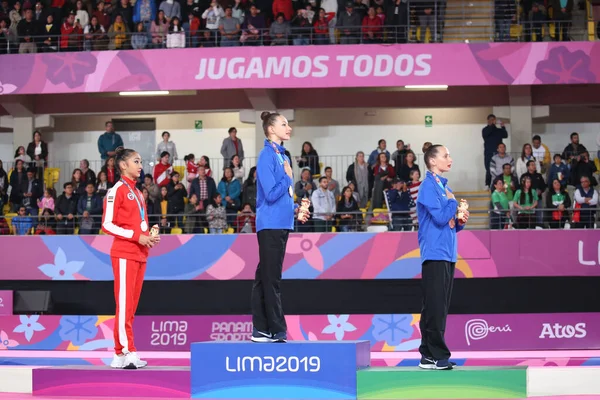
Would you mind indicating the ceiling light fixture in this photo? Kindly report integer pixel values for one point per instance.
(426, 87)
(148, 93)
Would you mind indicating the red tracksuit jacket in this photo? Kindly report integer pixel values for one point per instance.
(122, 220)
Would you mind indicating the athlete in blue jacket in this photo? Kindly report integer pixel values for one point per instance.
(274, 220)
(438, 225)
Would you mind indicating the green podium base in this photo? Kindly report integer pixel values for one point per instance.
(459, 383)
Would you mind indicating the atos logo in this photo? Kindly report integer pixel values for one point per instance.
(558, 331)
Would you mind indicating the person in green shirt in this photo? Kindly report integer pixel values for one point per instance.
(559, 202)
(525, 201)
(510, 181)
(501, 214)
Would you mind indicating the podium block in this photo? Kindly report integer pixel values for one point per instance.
(293, 370)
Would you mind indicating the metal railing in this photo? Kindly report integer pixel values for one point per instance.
(196, 222)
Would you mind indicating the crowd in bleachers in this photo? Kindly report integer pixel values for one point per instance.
(536, 189)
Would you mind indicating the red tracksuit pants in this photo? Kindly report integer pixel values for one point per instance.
(129, 279)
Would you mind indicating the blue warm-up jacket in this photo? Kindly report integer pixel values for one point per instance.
(274, 205)
(437, 240)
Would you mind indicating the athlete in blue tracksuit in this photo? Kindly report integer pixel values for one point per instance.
(275, 210)
(438, 225)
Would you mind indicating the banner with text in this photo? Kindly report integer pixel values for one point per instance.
(458, 64)
(389, 255)
(386, 332)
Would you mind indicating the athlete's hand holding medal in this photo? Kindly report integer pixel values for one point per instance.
(303, 212)
(151, 240)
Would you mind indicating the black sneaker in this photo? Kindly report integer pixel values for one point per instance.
(261, 337)
(427, 363)
(443, 364)
(280, 337)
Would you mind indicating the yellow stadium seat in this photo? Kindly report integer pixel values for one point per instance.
(230, 230)
(8, 217)
(101, 232)
(176, 231)
(376, 213)
(181, 170)
(51, 176)
(6, 209)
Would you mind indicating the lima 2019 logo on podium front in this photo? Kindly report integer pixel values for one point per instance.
(237, 370)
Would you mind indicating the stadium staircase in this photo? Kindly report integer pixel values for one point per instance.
(469, 21)
(479, 205)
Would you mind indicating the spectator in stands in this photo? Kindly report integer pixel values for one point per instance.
(511, 183)
(361, 174)
(383, 175)
(504, 15)
(500, 205)
(427, 19)
(216, 215)
(144, 12)
(230, 190)
(4, 184)
(348, 24)
(171, 8)
(253, 27)
(499, 160)
(109, 141)
(163, 170)
(563, 15)
(541, 154)
(87, 175)
(347, 211)
(39, 14)
(400, 202)
(229, 28)
(37, 150)
(573, 150)
(582, 166)
(371, 27)
(150, 207)
(153, 190)
(203, 187)
(81, 14)
(27, 31)
(20, 154)
(249, 189)
(559, 202)
(4, 9)
(526, 156)
(165, 224)
(237, 168)
(192, 27)
(321, 28)
(309, 158)
(117, 33)
(6, 37)
(492, 137)
(112, 174)
(191, 212)
(78, 183)
(32, 190)
(102, 185)
(525, 202)
(305, 186)
(323, 204)
(397, 17)
(175, 35)
(559, 171)
(280, 31)
(46, 224)
(374, 156)
(15, 17)
(125, 10)
(166, 145)
(47, 201)
(231, 146)
(205, 162)
(70, 34)
(94, 36)
(538, 185)
(283, 7)
(408, 166)
(398, 155)
(102, 15)
(176, 193)
(17, 178)
(586, 198)
(65, 210)
(212, 16)
(238, 11)
(332, 185)
(301, 28)
(22, 223)
(246, 220)
(89, 210)
(538, 18)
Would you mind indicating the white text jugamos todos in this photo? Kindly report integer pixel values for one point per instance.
(169, 333)
(273, 364)
(342, 66)
(231, 331)
(558, 331)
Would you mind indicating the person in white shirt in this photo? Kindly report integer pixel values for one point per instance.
(324, 206)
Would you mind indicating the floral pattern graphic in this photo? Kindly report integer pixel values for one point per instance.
(563, 66)
(78, 329)
(69, 68)
(7, 88)
(5, 342)
(307, 246)
(61, 270)
(29, 325)
(392, 328)
(338, 325)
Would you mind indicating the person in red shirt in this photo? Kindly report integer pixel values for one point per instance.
(162, 170)
(126, 219)
(70, 33)
(285, 7)
(371, 27)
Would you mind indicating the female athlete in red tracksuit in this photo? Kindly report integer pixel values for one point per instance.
(126, 219)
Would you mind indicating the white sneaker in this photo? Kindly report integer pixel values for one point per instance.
(118, 361)
(132, 361)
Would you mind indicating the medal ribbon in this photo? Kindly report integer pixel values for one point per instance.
(277, 152)
(137, 200)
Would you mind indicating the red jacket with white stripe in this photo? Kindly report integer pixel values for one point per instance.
(122, 220)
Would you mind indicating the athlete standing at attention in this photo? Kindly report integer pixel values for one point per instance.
(125, 218)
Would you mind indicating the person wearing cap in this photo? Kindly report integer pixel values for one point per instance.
(349, 24)
(399, 200)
